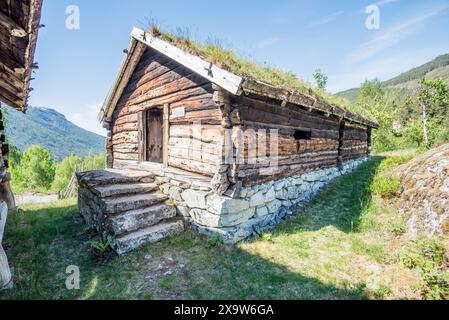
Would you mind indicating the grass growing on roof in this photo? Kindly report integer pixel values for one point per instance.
(213, 51)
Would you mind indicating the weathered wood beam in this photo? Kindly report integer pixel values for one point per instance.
(11, 64)
(129, 63)
(12, 103)
(221, 77)
(253, 87)
(15, 29)
(166, 134)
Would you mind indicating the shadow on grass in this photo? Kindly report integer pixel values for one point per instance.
(41, 242)
(340, 204)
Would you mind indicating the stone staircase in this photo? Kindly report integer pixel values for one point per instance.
(125, 206)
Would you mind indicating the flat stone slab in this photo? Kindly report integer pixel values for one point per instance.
(126, 203)
(123, 189)
(134, 240)
(96, 178)
(136, 219)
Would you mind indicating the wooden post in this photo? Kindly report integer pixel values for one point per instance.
(141, 118)
(368, 144)
(220, 182)
(5, 272)
(341, 136)
(166, 134)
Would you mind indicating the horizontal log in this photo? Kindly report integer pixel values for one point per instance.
(309, 119)
(255, 177)
(126, 156)
(191, 81)
(168, 99)
(192, 166)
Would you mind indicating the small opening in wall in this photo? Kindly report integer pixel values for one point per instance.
(303, 135)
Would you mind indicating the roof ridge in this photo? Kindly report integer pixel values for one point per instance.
(231, 82)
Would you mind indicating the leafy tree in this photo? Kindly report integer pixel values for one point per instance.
(371, 102)
(321, 79)
(372, 89)
(433, 96)
(36, 170)
(64, 172)
(72, 164)
(414, 133)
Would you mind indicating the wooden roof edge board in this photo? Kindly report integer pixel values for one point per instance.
(230, 82)
(33, 31)
(266, 90)
(211, 72)
(127, 67)
(7, 101)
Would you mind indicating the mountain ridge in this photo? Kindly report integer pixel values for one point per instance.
(436, 68)
(52, 130)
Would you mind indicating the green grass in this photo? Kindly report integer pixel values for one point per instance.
(338, 247)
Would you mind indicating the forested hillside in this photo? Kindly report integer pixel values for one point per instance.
(50, 129)
(437, 68)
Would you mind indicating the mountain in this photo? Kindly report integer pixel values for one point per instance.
(52, 130)
(408, 81)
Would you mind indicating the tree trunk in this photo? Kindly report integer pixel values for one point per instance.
(424, 117)
(5, 272)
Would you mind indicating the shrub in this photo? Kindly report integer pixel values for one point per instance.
(215, 241)
(36, 170)
(397, 227)
(385, 185)
(395, 161)
(429, 257)
(64, 172)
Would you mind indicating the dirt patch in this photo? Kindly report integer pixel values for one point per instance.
(34, 198)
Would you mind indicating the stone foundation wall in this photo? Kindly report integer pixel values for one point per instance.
(252, 210)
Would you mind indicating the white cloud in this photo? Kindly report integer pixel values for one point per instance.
(391, 36)
(87, 119)
(326, 19)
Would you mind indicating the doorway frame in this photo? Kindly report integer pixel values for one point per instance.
(143, 130)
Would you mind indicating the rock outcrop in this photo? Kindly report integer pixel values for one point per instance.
(424, 193)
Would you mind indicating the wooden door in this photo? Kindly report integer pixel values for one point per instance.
(154, 139)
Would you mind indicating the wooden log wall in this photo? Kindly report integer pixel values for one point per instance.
(356, 142)
(160, 82)
(295, 156)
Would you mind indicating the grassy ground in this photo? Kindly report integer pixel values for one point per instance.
(346, 244)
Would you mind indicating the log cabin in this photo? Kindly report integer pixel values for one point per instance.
(231, 153)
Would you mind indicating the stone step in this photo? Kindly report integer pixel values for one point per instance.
(97, 178)
(126, 203)
(134, 240)
(124, 189)
(136, 219)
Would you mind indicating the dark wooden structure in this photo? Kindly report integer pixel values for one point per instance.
(19, 25)
(19, 21)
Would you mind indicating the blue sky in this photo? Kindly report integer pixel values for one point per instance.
(77, 67)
